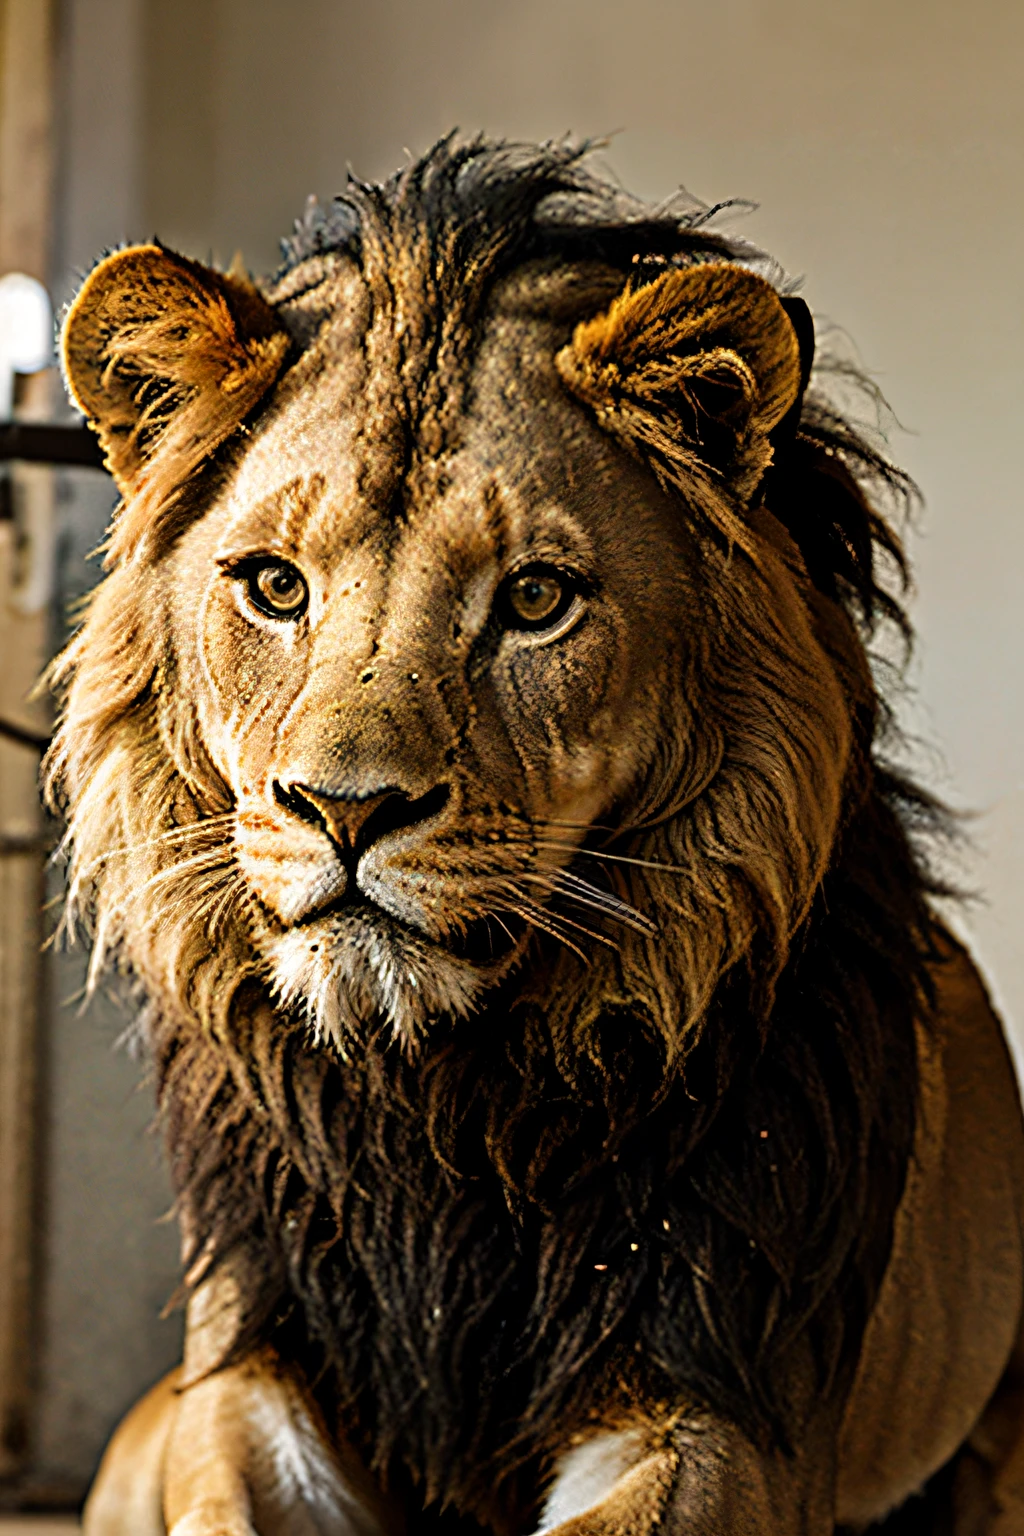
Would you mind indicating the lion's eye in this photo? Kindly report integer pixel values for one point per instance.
(537, 598)
(277, 589)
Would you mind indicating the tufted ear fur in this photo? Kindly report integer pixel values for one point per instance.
(165, 357)
(692, 371)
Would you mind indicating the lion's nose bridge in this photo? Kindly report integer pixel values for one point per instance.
(357, 737)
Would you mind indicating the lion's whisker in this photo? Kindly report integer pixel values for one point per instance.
(606, 901)
(532, 916)
(624, 829)
(615, 858)
(584, 826)
(183, 834)
(209, 860)
(562, 883)
(504, 926)
(560, 917)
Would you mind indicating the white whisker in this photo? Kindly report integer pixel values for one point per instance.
(191, 830)
(615, 858)
(532, 916)
(208, 860)
(577, 889)
(560, 917)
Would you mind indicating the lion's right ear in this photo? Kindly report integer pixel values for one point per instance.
(692, 371)
(166, 357)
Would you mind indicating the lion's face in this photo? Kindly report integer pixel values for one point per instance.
(349, 705)
(419, 709)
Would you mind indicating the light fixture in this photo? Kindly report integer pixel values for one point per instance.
(26, 333)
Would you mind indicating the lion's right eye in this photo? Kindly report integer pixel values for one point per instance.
(276, 588)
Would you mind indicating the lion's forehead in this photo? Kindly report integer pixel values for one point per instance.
(506, 489)
(301, 466)
(456, 544)
(519, 471)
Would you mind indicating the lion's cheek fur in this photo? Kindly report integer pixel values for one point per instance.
(739, 863)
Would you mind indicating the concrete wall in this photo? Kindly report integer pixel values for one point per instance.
(884, 144)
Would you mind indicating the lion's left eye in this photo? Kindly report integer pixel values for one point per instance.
(537, 598)
(276, 588)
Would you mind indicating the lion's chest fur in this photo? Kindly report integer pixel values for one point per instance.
(487, 1259)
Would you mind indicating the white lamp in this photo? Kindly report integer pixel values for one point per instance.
(26, 333)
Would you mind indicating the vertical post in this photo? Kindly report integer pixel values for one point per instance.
(26, 176)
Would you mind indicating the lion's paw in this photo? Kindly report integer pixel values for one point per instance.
(618, 1482)
(213, 1520)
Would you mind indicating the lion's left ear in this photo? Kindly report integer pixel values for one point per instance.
(692, 371)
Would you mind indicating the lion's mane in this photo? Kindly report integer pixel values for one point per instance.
(466, 1240)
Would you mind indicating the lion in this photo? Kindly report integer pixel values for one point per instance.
(580, 1120)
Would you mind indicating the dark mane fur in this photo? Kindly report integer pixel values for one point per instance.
(469, 1246)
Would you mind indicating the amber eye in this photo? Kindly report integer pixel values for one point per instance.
(276, 588)
(536, 598)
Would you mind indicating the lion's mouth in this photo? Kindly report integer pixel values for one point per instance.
(484, 941)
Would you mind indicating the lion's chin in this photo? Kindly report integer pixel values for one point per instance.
(346, 970)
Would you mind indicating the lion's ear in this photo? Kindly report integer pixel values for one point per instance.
(166, 357)
(693, 371)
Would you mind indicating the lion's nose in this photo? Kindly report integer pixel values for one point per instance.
(354, 822)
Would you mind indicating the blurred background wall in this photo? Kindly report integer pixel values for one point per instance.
(884, 144)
